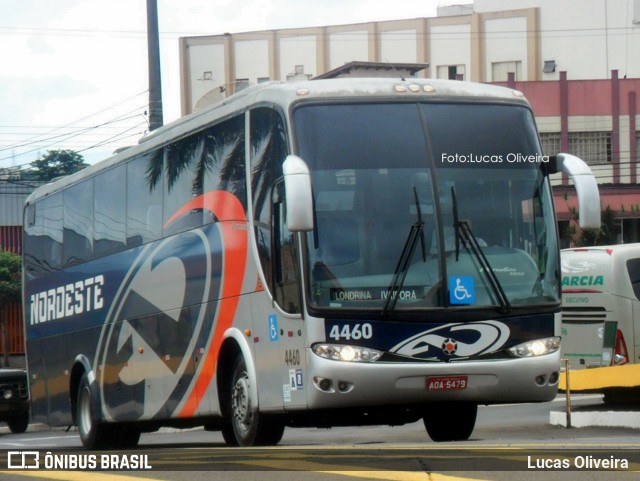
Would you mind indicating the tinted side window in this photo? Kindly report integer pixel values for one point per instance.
(286, 282)
(183, 182)
(268, 151)
(633, 267)
(207, 161)
(78, 223)
(43, 240)
(109, 228)
(224, 159)
(144, 198)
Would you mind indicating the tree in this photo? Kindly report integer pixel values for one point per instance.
(10, 290)
(56, 163)
(605, 235)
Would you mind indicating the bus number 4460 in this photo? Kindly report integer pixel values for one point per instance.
(349, 332)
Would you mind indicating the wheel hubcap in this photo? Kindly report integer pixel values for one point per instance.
(241, 403)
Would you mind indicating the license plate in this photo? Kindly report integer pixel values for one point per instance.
(446, 383)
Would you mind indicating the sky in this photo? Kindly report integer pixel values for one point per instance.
(73, 73)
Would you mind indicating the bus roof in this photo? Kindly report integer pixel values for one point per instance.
(623, 250)
(287, 93)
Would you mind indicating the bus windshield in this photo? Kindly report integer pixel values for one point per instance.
(434, 205)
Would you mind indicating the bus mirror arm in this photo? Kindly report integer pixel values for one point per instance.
(585, 184)
(297, 185)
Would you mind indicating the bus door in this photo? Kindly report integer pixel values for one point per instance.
(287, 328)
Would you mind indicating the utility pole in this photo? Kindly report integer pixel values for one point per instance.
(155, 83)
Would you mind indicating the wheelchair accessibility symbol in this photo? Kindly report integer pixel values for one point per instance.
(462, 290)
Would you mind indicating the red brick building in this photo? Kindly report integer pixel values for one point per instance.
(596, 120)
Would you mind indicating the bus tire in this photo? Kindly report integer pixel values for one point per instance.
(93, 433)
(245, 425)
(450, 421)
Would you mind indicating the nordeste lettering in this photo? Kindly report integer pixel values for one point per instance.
(66, 301)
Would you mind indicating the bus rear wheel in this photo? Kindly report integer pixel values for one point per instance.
(93, 433)
(245, 425)
(450, 421)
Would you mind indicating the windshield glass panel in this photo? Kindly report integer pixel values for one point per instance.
(389, 181)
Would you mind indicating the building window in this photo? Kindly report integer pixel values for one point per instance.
(592, 147)
(451, 72)
(549, 66)
(298, 74)
(500, 71)
(550, 142)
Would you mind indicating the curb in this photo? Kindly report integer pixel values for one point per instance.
(583, 419)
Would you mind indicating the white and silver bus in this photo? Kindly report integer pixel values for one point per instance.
(334, 252)
(601, 305)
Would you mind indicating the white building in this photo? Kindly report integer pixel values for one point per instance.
(577, 61)
(482, 42)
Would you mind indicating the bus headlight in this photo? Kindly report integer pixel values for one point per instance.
(538, 347)
(341, 352)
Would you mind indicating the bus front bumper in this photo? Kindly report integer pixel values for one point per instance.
(341, 383)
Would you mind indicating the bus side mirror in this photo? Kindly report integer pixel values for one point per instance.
(297, 186)
(586, 187)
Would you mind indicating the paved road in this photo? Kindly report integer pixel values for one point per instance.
(510, 442)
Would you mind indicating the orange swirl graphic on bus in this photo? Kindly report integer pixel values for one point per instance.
(227, 209)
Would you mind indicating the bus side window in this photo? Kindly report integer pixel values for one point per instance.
(184, 178)
(223, 160)
(633, 268)
(144, 198)
(109, 221)
(78, 223)
(43, 235)
(286, 278)
(268, 142)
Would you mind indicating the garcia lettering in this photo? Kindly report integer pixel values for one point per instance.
(582, 281)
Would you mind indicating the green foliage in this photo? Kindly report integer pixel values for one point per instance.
(56, 163)
(606, 235)
(10, 277)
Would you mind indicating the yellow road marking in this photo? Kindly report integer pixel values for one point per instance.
(279, 465)
(353, 471)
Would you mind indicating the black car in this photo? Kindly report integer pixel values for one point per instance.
(14, 399)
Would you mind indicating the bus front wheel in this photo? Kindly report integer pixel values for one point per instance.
(245, 425)
(450, 421)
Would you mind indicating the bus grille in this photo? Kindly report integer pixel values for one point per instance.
(584, 315)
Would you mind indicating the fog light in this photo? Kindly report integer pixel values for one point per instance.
(323, 384)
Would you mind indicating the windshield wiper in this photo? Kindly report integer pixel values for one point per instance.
(465, 234)
(416, 233)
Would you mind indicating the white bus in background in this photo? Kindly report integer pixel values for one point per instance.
(601, 305)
